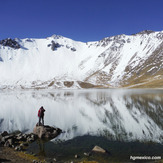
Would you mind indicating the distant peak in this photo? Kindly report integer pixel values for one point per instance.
(56, 36)
(145, 32)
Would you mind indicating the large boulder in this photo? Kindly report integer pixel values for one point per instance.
(46, 132)
(99, 149)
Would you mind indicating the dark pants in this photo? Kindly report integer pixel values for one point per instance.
(39, 122)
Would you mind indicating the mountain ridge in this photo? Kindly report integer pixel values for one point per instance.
(59, 62)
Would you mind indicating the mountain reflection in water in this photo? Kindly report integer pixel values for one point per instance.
(117, 114)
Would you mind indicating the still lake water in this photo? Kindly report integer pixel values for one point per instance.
(125, 115)
(117, 113)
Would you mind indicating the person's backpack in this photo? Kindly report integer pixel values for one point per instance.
(39, 112)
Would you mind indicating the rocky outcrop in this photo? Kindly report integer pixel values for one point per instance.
(73, 49)
(145, 32)
(16, 140)
(54, 45)
(10, 42)
(46, 132)
(19, 141)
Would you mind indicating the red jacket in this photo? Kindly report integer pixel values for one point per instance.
(41, 112)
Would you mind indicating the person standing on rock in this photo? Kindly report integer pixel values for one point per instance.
(41, 115)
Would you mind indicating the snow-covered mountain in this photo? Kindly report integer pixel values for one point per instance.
(59, 62)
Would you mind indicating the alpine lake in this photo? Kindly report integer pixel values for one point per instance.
(125, 122)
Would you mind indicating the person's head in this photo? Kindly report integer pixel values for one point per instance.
(42, 108)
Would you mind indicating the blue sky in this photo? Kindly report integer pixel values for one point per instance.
(82, 20)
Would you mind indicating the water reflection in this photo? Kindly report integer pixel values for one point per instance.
(124, 115)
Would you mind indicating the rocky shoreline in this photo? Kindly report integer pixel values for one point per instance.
(19, 147)
(20, 141)
(14, 146)
(12, 143)
(17, 140)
